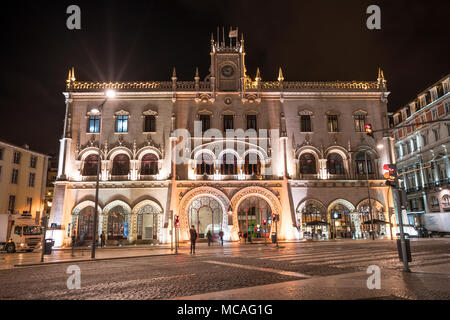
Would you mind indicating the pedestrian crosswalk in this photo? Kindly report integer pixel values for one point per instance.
(335, 257)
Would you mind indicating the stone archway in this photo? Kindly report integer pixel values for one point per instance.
(189, 197)
(255, 191)
(156, 209)
(78, 209)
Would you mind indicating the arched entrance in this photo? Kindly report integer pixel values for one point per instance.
(314, 221)
(116, 222)
(269, 198)
(343, 219)
(83, 222)
(147, 222)
(205, 214)
(254, 218)
(381, 226)
(208, 213)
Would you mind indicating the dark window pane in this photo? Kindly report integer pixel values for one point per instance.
(251, 122)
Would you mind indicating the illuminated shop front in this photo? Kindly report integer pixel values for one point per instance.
(252, 213)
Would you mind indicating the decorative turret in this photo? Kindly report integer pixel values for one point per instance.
(381, 79)
(70, 78)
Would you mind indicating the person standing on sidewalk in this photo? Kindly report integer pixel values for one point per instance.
(209, 236)
(193, 235)
(102, 240)
(221, 237)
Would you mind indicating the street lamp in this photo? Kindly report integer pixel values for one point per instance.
(368, 195)
(110, 94)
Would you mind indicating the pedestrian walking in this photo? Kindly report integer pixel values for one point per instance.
(102, 240)
(245, 237)
(209, 236)
(193, 235)
(221, 237)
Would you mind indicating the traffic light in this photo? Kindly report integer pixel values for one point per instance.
(391, 175)
(369, 130)
(177, 221)
(264, 222)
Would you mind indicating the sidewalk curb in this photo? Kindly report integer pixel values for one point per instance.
(92, 260)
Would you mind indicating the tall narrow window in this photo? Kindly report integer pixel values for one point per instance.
(228, 122)
(29, 204)
(14, 176)
(205, 119)
(333, 123)
(360, 162)
(150, 124)
(1, 153)
(424, 140)
(251, 122)
(305, 123)
(436, 134)
(33, 161)
(360, 122)
(149, 164)
(16, 158)
(12, 203)
(94, 124)
(122, 124)
(31, 179)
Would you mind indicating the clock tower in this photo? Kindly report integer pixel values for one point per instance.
(227, 63)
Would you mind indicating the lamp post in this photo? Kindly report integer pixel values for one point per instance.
(109, 95)
(368, 195)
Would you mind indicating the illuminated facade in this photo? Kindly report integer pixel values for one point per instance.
(23, 175)
(224, 154)
(422, 151)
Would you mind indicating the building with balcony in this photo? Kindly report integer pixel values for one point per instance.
(225, 153)
(421, 150)
(23, 174)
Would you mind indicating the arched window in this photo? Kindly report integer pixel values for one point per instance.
(360, 162)
(252, 164)
(90, 165)
(149, 164)
(116, 223)
(205, 164)
(85, 225)
(147, 223)
(307, 164)
(121, 165)
(335, 164)
(229, 164)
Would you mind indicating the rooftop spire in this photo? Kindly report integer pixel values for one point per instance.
(280, 75)
(196, 72)
(258, 75)
(73, 75)
(174, 73)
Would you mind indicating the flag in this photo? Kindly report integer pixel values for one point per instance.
(233, 34)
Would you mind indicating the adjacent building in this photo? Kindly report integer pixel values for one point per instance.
(23, 175)
(422, 150)
(224, 152)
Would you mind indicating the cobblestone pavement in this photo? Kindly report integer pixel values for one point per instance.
(308, 270)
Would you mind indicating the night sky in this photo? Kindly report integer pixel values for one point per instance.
(143, 40)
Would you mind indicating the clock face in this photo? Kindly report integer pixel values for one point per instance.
(227, 71)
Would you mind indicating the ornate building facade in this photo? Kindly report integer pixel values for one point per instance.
(224, 153)
(422, 151)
